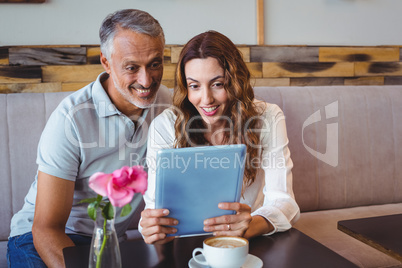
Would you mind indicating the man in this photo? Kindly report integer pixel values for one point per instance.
(101, 127)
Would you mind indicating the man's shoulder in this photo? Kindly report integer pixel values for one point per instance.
(81, 96)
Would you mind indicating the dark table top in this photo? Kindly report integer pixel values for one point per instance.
(383, 233)
(281, 250)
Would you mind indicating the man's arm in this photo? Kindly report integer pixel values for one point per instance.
(53, 206)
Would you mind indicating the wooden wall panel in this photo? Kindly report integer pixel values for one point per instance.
(167, 55)
(316, 81)
(20, 74)
(175, 53)
(306, 69)
(73, 86)
(337, 54)
(74, 73)
(364, 81)
(47, 56)
(378, 68)
(93, 55)
(4, 56)
(255, 69)
(30, 88)
(283, 54)
(245, 51)
(169, 71)
(271, 82)
(393, 80)
(50, 68)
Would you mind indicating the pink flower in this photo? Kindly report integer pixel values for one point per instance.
(121, 185)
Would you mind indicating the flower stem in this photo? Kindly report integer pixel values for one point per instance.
(99, 260)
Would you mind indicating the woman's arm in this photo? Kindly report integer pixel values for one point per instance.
(153, 221)
(279, 207)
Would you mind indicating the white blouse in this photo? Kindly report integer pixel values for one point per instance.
(271, 194)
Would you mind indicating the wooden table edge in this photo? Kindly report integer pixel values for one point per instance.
(368, 241)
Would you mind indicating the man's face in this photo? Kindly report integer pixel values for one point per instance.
(135, 67)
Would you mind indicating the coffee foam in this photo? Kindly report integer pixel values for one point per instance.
(226, 242)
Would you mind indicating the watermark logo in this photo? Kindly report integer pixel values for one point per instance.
(331, 154)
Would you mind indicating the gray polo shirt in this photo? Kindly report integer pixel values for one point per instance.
(87, 134)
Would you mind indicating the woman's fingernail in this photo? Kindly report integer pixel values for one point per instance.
(165, 212)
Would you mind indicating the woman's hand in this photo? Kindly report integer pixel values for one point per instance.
(154, 226)
(233, 225)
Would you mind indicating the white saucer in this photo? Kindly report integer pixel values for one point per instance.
(251, 262)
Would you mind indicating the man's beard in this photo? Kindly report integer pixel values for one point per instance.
(136, 102)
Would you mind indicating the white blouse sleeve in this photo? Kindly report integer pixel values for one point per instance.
(160, 136)
(279, 206)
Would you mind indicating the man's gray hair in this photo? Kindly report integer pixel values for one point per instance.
(131, 19)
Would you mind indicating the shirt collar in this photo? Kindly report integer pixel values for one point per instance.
(103, 105)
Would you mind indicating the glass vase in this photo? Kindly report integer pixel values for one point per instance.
(105, 250)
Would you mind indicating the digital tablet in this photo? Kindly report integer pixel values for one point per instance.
(191, 182)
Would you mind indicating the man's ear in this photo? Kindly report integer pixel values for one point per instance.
(105, 63)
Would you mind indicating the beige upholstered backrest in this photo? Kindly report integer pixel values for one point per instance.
(361, 165)
(345, 142)
(22, 119)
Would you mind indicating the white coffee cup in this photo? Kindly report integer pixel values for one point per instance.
(223, 252)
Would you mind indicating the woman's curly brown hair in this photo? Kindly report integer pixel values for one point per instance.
(241, 109)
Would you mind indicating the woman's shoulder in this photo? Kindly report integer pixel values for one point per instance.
(167, 116)
(267, 109)
(161, 130)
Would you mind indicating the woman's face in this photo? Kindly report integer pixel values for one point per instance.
(205, 86)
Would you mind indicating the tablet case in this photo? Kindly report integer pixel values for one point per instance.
(191, 182)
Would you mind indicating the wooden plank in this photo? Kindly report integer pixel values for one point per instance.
(168, 83)
(378, 69)
(270, 82)
(93, 55)
(255, 69)
(373, 54)
(393, 80)
(359, 81)
(73, 86)
(283, 54)
(20, 74)
(30, 88)
(47, 56)
(4, 56)
(175, 53)
(316, 81)
(245, 51)
(400, 54)
(73, 73)
(169, 71)
(260, 22)
(176, 50)
(306, 69)
(167, 55)
(47, 46)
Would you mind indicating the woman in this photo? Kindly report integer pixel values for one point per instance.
(214, 104)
